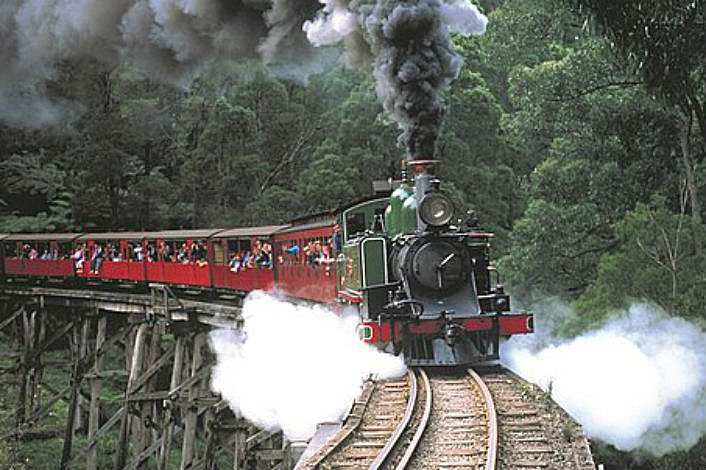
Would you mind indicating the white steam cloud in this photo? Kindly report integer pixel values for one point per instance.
(333, 23)
(462, 17)
(637, 382)
(291, 367)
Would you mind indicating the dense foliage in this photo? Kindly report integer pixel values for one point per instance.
(573, 126)
(576, 131)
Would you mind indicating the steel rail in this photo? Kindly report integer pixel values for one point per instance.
(492, 421)
(352, 422)
(422, 424)
(401, 426)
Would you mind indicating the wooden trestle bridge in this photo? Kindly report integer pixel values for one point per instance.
(153, 347)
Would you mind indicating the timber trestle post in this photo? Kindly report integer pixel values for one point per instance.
(136, 388)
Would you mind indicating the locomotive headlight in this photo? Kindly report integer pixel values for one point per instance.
(436, 209)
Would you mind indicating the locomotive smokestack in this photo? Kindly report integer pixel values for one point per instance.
(424, 177)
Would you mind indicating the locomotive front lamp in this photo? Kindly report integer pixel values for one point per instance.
(436, 209)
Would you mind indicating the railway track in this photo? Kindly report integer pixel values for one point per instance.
(461, 432)
(535, 434)
(442, 422)
(370, 427)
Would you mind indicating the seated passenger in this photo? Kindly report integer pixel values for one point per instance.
(263, 259)
(248, 260)
(151, 253)
(235, 261)
(183, 254)
(139, 253)
(97, 259)
(78, 258)
(194, 252)
(292, 254)
(166, 253)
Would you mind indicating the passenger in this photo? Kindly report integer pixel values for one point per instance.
(79, 258)
(194, 252)
(201, 255)
(292, 254)
(45, 255)
(263, 259)
(139, 252)
(97, 258)
(327, 249)
(235, 262)
(248, 260)
(336, 238)
(309, 255)
(166, 253)
(113, 254)
(182, 254)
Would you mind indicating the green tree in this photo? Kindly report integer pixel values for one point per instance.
(36, 198)
(665, 40)
(659, 261)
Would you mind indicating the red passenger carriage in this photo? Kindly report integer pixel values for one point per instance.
(38, 255)
(229, 243)
(306, 265)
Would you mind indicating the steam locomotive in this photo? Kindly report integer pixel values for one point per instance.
(422, 286)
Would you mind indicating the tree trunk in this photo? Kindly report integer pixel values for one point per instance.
(690, 170)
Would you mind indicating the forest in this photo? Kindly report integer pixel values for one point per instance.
(576, 132)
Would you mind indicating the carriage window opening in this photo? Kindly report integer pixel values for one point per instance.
(181, 254)
(290, 251)
(112, 251)
(199, 253)
(165, 250)
(151, 252)
(62, 250)
(317, 251)
(233, 248)
(11, 250)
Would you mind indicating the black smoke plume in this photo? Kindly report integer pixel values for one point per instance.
(414, 58)
(414, 61)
